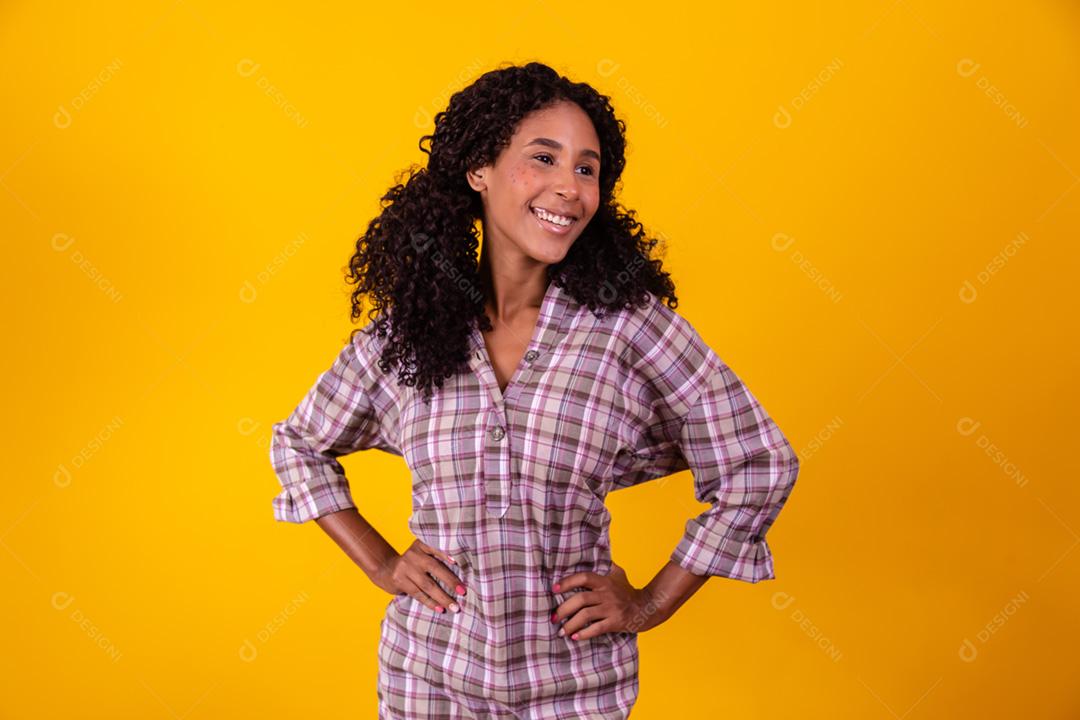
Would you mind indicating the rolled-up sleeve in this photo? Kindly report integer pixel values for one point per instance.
(744, 467)
(339, 415)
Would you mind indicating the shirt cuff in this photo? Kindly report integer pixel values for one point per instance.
(311, 499)
(705, 551)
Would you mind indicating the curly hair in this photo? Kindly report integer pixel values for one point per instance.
(417, 261)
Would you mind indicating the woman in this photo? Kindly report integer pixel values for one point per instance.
(530, 382)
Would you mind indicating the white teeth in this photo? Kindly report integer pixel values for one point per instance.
(557, 219)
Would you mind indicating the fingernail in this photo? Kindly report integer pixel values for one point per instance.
(450, 559)
(455, 607)
(439, 608)
(557, 587)
(574, 636)
(554, 617)
(562, 632)
(460, 589)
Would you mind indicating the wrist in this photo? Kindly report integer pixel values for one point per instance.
(380, 569)
(650, 610)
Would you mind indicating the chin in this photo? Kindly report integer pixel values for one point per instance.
(552, 253)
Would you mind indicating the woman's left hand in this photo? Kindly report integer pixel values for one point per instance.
(609, 603)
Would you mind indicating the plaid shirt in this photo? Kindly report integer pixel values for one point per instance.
(513, 488)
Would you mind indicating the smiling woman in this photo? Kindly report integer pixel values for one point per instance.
(524, 136)
(557, 220)
(548, 176)
(530, 383)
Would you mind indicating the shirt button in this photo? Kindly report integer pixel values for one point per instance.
(497, 432)
(531, 355)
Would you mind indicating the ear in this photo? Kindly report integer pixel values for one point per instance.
(476, 180)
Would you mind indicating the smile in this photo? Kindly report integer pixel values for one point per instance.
(556, 224)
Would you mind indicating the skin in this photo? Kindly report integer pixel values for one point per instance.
(561, 175)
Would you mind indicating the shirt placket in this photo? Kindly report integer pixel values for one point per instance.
(499, 467)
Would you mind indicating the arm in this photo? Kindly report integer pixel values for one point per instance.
(665, 594)
(413, 572)
(745, 468)
(337, 416)
(689, 411)
(340, 415)
(363, 544)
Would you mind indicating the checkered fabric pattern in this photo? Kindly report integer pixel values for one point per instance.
(513, 485)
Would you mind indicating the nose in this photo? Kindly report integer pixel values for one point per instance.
(566, 187)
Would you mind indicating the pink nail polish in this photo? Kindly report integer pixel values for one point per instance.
(439, 608)
(574, 636)
(554, 617)
(557, 587)
(452, 560)
(460, 589)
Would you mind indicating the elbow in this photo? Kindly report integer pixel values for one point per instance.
(784, 472)
(785, 462)
(287, 448)
(789, 461)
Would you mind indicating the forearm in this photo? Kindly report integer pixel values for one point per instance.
(666, 592)
(360, 541)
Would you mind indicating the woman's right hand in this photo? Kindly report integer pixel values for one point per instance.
(414, 572)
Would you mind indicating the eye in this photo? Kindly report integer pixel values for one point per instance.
(546, 155)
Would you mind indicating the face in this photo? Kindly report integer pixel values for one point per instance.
(544, 187)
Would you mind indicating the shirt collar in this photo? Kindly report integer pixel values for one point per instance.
(556, 310)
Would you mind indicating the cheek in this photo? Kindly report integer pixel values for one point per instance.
(523, 179)
(593, 202)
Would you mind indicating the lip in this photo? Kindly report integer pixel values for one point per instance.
(549, 210)
(552, 227)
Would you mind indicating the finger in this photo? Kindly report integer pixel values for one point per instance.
(436, 593)
(437, 553)
(597, 628)
(416, 578)
(429, 561)
(576, 602)
(420, 587)
(442, 573)
(421, 597)
(616, 570)
(581, 618)
(579, 579)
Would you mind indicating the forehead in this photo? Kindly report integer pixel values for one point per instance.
(564, 122)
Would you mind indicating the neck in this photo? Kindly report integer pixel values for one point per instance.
(512, 286)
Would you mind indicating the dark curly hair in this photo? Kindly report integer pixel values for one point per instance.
(417, 260)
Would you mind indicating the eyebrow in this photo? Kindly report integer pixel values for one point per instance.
(548, 142)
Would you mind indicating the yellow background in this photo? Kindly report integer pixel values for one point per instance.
(871, 212)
